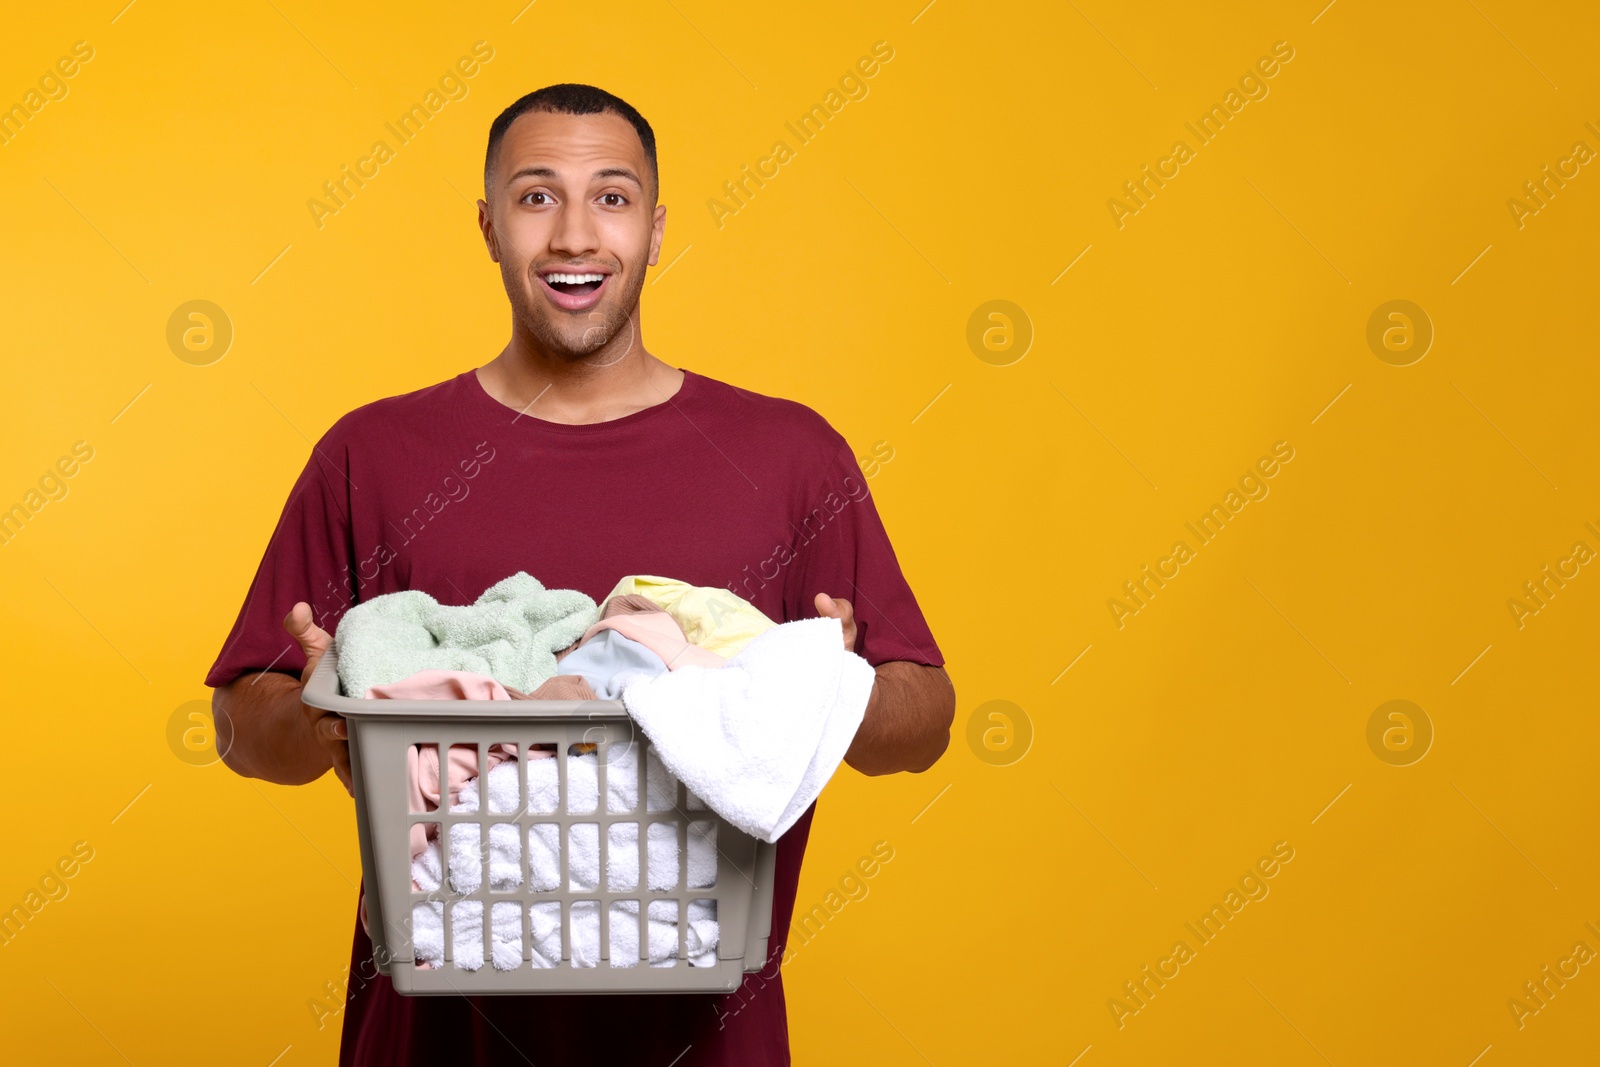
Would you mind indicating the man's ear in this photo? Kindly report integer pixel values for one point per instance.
(658, 230)
(490, 239)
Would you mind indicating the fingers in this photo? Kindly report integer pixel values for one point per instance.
(333, 734)
(327, 729)
(330, 729)
(834, 608)
(311, 637)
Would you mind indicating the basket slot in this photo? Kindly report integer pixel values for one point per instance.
(563, 789)
(580, 837)
(529, 839)
(550, 917)
(661, 855)
(447, 925)
(683, 874)
(705, 830)
(585, 912)
(602, 803)
(641, 766)
(709, 904)
(544, 839)
(617, 917)
(416, 805)
(485, 910)
(661, 788)
(622, 874)
(665, 911)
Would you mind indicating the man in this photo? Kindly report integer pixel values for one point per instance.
(577, 456)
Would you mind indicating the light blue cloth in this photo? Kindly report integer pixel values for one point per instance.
(511, 633)
(605, 658)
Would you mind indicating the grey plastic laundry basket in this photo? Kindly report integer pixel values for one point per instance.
(382, 731)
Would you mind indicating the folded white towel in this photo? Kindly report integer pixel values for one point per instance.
(543, 870)
(505, 941)
(759, 737)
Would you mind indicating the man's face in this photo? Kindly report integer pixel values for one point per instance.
(571, 195)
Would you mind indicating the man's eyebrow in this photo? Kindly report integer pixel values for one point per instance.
(619, 172)
(540, 171)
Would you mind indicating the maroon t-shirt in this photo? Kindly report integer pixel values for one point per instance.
(448, 491)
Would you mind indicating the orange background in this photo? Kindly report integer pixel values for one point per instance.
(1142, 769)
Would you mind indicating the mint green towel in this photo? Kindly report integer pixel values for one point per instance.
(511, 633)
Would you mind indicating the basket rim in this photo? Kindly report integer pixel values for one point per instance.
(322, 691)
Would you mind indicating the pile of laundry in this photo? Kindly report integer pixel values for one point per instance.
(753, 717)
(543, 867)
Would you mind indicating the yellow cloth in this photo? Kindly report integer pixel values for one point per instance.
(716, 619)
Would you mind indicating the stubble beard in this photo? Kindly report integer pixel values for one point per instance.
(577, 336)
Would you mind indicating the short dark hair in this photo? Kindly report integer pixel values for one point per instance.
(571, 98)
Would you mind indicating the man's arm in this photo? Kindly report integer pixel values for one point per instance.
(265, 731)
(907, 723)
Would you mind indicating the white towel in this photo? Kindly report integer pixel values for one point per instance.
(544, 870)
(759, 737)
(466, 918)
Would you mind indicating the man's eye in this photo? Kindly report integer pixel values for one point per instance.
(618, 197)
(535, 193)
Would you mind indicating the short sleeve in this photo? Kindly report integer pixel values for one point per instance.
(842, 549)
(309, 558)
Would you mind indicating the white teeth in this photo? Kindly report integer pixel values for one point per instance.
(574, 279)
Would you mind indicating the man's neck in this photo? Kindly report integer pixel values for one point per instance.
(599, 387)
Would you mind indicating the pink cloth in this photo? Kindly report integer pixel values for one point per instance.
(441, 685)
(422, 761)
(422, 777)
(661, 634)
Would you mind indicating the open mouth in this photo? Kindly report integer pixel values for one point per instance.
(574, 291)
(575, 284)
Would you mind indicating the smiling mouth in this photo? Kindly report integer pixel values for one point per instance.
(574, 284)
(574, 290)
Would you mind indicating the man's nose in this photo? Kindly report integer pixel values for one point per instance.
(575, 232)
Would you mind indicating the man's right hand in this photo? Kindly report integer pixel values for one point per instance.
(328, 728)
